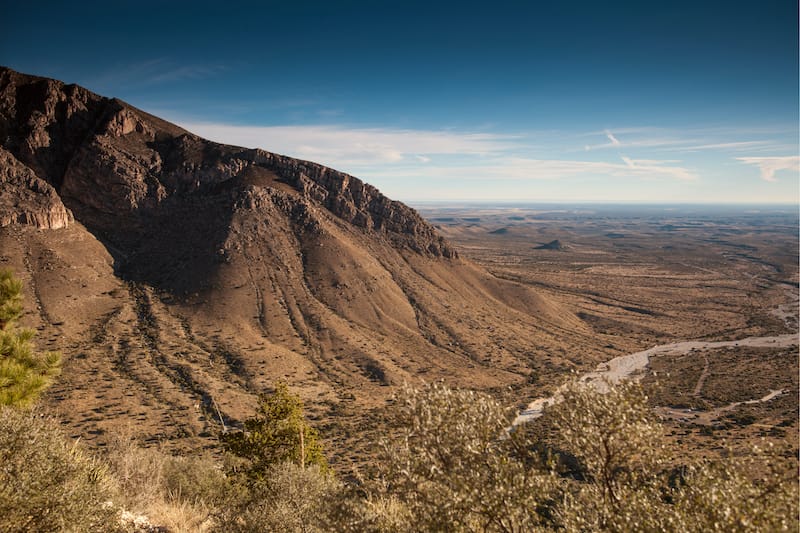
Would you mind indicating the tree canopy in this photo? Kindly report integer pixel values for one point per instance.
(24, 373)
(277, 434)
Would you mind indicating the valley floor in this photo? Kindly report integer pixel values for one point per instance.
(700, 304)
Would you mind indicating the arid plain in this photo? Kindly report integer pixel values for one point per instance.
(644, 276)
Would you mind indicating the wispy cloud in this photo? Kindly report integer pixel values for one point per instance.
(528, 169)
(653, 139)
(186, 72)
(354, 148)
(631, 168)
(657, 168)
(724, 146)
(154, 72)
(382, 152)
(688, 140)
(614, 141)
(338, 145)
(770, 165)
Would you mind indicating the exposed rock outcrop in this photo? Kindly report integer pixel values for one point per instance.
(357, 202)
(107, 159)
(27, 199)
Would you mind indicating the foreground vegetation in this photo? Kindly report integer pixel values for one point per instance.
(449, 462)
(595, 462)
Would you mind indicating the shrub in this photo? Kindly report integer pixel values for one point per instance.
(354, 513)
(751, 493)
(180, 493)
(285, 498)
(454, 466)
(617, 444)
(451, 466)
(46, 483)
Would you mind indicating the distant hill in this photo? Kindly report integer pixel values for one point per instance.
(499, 231)
(552, 245)
(180, 277)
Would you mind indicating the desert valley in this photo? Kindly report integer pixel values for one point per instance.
(180, 279)
(645, 276)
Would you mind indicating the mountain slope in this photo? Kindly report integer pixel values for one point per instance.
(181, 277)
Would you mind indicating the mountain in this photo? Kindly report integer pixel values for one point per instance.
(181, 277)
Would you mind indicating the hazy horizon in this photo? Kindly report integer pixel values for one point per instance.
(617, 102)
(654, 204)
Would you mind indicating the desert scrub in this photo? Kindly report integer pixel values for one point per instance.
(287, 498)
(594, 462)
(48, 483)
(180, 493)
(451, 465)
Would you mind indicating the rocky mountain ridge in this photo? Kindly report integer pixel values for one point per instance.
(105, 157)
(181, 277)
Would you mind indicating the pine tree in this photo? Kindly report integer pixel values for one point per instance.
(10, 299)
(277, 434)
(24, 374)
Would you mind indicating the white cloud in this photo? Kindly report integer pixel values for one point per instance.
(347, 147)
(690, 139)
(737, 145)
(527, 169)
(382, 153)
(653, 168)
(187, 72)
(614, 141)
(632, 168)
(770, 165)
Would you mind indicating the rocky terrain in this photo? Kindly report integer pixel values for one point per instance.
(181, 277)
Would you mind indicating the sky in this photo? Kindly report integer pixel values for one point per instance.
(527, 101)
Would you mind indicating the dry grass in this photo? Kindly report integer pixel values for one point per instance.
(180, 516)
(177, 493)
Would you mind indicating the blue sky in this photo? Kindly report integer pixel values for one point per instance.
(526, 101)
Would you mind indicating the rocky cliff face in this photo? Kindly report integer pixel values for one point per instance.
(28, 199)
(106, 159)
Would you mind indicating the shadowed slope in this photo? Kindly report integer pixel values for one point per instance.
(198, 273)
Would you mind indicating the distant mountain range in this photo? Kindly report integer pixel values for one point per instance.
(180, 277)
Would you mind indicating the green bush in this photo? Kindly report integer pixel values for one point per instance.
(24, 374)
(195, 479)
(48, 484)
(617, 443)
(179, 492)
(756, 492)
(454, 466)
(278, 434)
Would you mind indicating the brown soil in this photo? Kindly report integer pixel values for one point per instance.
(641, 277)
